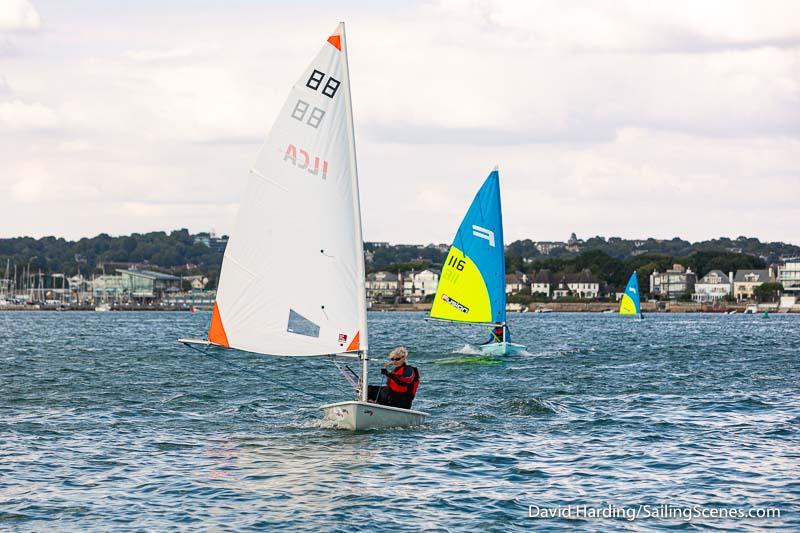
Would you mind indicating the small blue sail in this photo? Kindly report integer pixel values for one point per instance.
(631, 304)
(472, 287)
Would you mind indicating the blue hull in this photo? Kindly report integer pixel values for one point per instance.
(501, 348)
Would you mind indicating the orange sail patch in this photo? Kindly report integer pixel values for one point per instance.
(355, 343)
(336, 40)
(216, 333)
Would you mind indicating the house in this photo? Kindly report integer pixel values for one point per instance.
(516, 283)
(417, 285)
(789, 277)
(146, 285)
(542, 282)
(673, 283)
(574, 244)
(746, 280)
(545, 247)
(210, 240)
(713, 287)
(582, 284)
(382, 286)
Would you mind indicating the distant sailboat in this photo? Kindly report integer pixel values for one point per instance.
(292, 279)
(472, 287)
(631, 303)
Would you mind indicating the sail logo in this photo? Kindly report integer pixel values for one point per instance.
(483, 233)
(302, 160)
(632, 290)
(461, 307)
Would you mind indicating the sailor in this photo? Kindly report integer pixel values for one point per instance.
(499, 334)
(402, 382)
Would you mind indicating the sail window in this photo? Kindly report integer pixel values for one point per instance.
(300, 325)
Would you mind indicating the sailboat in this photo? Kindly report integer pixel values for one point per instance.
(631, 303)
(472, 287)
(292, 280)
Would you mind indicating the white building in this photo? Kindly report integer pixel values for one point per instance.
(672, 283)
(579, 284)
(418, 285)
(713, 287)
(545, 247)
(382, 286)
(542, 282)
(789, 277)
(746, 280)
(516, 283)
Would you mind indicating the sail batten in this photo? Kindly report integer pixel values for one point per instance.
(292, 279)
(472, 284)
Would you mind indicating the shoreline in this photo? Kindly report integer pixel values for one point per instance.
(557, 307)
(600, 307)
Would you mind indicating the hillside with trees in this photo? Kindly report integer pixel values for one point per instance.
(180, 252)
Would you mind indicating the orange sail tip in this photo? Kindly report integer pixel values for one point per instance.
(355, 343)
(336, 40)
(216, 333)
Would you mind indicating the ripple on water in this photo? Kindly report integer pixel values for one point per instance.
(109, 424)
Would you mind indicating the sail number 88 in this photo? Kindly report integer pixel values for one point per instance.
(457, 263)
(330, 87)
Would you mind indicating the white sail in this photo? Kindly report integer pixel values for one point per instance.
(292, 280)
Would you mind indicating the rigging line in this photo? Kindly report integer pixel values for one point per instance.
(459, 337)
(251, 371)
(347, 376)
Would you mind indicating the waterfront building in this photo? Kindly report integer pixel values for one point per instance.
(789, 277)
(746, 280)
(107, 288)
(382, 286)
(516, 282)
(582, 284)
(417, 285)
(199, 299)
(713, 287)
(148, 285)
(673, 283)
(542, 282)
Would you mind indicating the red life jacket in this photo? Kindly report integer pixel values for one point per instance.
(404, 383)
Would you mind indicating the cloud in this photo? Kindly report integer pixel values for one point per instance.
(18, 15)
(686, 113)
(18, 115)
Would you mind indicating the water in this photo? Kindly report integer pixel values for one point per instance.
(106, 423)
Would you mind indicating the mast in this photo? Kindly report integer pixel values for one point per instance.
(362, 308)
(502, 254)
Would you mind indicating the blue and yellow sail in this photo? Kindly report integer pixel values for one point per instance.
(472, 287)
(631, 304)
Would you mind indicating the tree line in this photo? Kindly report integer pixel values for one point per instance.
(611, 260)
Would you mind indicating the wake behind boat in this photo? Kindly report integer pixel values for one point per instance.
(472, 287)
(302, 201)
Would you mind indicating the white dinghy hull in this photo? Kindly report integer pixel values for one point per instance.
(356, 415)
(501, 348)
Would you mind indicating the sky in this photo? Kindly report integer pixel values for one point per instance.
(619, 118)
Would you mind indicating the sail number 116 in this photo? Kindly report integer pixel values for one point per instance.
(456, 262)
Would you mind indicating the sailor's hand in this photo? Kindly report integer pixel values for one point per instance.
(384, 365)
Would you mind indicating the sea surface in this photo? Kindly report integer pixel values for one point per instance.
(107, 423)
